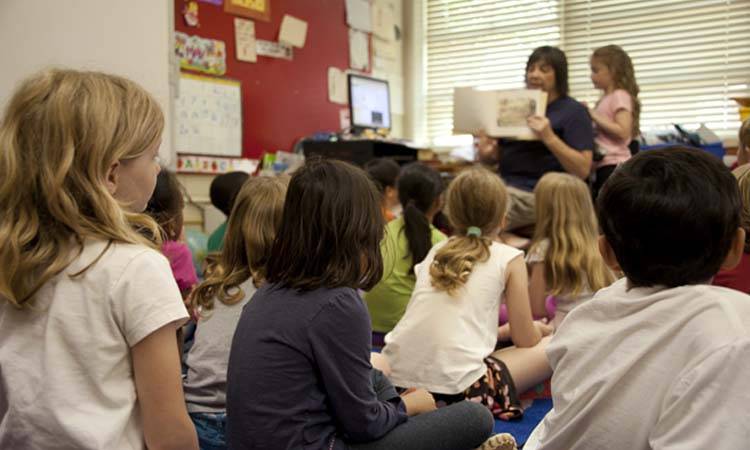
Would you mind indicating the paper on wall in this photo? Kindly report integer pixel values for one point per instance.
(337, 87)
(359, 15)
(273, 49)
(383, 20)
(293, 31)
(359, 50)
(383, 48)
(244, 38)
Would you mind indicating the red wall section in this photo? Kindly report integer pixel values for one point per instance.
(282, 100)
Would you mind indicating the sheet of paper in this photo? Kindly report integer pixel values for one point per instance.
(359, 15)
(293, 31)
(383, 48)
(359, 50)
(337, 87)
(244, 38)
(383, 20)
(273, 49)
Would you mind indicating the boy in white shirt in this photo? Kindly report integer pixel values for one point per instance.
(658, 360)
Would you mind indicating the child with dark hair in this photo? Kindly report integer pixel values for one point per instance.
(659, 359)
(223, 190)
(739, 277)
(299, 371)
(384, 172)
(407, 241)
(165, 206)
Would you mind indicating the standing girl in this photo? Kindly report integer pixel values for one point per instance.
(88, 308)
(446, 340)
(299, 369)
(406, 243)
(617, 112)
(166, 206)
(229, 285)
(564, 259)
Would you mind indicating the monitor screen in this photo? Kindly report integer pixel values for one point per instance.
(369, 102)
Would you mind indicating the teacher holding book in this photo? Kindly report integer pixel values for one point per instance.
(565, 138)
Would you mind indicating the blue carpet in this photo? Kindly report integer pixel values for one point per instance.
(521, 429)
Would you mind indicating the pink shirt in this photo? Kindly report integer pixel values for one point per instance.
(181, 262)
(617, 149)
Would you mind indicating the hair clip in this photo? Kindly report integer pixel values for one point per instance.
(473, 231)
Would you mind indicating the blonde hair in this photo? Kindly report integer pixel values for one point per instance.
(475, 198)
(61, 132)
(565, 216)
(623, 75)
(251, 230)
(742, 174)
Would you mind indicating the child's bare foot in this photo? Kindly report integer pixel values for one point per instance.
(501, 441)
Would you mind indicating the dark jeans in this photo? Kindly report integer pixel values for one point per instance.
(211, 429)
(460, 426)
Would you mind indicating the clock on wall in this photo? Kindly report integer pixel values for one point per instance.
(253, 9)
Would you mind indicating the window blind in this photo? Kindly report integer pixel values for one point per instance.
(480, 43)
(690, 58)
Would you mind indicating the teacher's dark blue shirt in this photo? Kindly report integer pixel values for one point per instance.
(299, 373)
(522, 163)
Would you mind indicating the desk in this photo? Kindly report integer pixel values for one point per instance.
(360, 151)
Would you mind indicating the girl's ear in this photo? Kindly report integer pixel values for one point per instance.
(735, 251)
(608, 254)
(113, 177)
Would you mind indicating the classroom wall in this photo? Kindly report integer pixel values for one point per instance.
(282, 100)
(132, 39)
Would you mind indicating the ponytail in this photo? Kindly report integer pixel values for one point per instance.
(418, 234)
(454, 262)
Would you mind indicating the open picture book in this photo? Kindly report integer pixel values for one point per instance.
(501, 113)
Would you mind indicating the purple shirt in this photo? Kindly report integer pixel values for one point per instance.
(300, 376)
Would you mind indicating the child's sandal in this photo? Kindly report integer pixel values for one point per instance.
(501, 441)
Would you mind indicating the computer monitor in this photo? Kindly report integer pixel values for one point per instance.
(369, 102)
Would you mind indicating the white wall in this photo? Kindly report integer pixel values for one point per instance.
(130, 38)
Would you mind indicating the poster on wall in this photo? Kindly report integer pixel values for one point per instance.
(202, 55)
(244, 40)
(252, 9)
(273, 49)
(359, 50)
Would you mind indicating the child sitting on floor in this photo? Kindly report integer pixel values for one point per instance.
(659, 359)
(446, 340)
(564, 259)
(384, 172)
(165, 206)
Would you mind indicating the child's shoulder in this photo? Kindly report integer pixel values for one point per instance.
(116, 257)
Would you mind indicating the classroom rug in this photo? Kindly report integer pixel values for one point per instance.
(532, 415)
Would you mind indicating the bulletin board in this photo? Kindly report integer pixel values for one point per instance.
(208, 116)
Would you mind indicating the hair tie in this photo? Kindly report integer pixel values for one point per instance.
(473, 231)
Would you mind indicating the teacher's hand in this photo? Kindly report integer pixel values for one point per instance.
(540, 125)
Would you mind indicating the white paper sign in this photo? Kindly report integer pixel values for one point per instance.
(273, 49)
(337, 88)
(293, 31)
(383, 20)
(244, 39)
(359, 50)
(359, 15)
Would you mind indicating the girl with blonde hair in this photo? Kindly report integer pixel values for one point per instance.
(88, 308)
(229, 285)
(564, 259)
(446, 340)
(616, 115)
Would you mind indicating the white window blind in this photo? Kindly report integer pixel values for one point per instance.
(481, 43)
(690, 58)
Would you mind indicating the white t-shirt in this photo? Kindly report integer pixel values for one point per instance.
(66, 375)
(651, 368)
(441, 341)
(565, 303)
